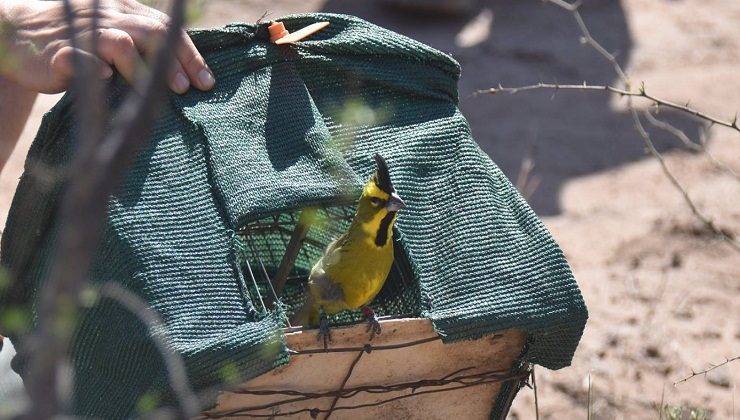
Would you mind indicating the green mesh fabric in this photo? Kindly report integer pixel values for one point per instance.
(284, 128)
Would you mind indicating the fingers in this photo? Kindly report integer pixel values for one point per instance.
(63, 69)
(148, 33)
(132, 38)
(179, 82)
(117, 48)
(194, 64)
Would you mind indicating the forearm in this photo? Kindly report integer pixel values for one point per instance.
(15, 106)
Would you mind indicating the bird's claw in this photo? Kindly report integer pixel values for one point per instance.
(324, 330)
(373, 326)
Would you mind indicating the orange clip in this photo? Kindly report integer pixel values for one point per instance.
(280, 36)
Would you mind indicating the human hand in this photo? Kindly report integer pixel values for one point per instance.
(37, 52)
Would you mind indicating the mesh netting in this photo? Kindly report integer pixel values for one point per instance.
(286, 127)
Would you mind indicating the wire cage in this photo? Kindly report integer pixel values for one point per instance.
(407, 369)
(276, 253)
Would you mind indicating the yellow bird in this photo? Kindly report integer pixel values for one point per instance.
(355, 265)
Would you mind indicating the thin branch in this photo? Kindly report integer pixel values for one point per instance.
(47, 346)
(629, 93)
(291, 253)
(176, 371)
(527, 183)
(709, 224)
(705, 371)
(697, 147)
(640, 93)
(96, 172)
(588, 39)
(675, 131)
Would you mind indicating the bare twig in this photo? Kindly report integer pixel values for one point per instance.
(177, 374)
(663, 125)
(697, 147)
(709, 224)
(527, 183)
(640, 93)
(645, 137)
(291, 252)
(705, 371)
(675, 131)
(47, 346)
(96, 171)
(629, 93)
(588, 39)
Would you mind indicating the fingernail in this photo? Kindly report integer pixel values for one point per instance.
(181, 82)
(205, 77)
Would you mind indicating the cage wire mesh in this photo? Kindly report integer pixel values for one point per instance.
(262, 245)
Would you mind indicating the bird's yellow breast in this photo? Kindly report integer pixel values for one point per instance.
(358, 266)
(362, 277)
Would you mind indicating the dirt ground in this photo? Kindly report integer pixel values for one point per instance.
(663, 294)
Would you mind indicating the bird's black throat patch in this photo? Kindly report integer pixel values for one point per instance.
(381, 236)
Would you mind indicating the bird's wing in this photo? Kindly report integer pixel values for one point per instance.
(329, 292)
(333, 254)
(328, 289)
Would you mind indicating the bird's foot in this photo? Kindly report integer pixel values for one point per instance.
(324, 330)
(373, 326)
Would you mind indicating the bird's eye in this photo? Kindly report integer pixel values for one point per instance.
(375, 201)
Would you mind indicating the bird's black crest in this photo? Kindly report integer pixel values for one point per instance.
(382, 176)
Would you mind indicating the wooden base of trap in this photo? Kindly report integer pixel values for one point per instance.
(411, 375)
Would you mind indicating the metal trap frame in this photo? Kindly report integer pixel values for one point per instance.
(276, 253)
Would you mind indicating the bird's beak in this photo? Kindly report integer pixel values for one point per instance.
(395, 203)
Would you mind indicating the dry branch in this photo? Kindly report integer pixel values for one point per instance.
(708, 223)
(640, 93)
(176, 372)
(99, 166)
(705, 371)
(630, 94)
(663, 125)
(697, 147)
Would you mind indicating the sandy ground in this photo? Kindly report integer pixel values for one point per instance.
(663, 295)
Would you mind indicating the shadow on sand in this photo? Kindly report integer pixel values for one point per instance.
(513, 43)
